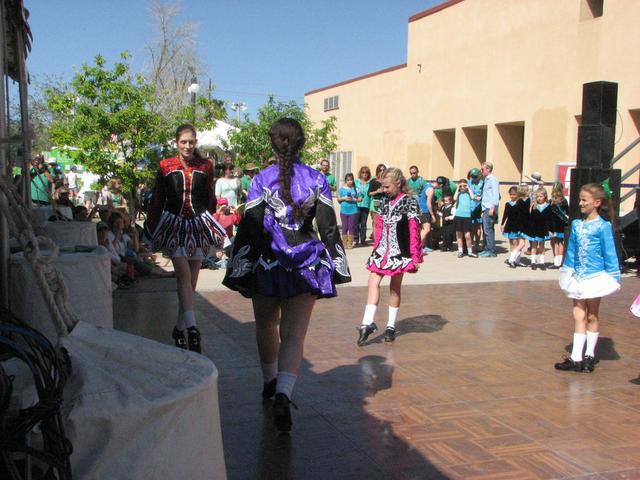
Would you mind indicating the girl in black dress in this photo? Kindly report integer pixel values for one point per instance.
(559, 222)
(538, 231)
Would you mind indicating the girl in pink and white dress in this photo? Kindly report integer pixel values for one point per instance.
(397, 249)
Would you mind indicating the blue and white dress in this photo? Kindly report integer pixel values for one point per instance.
(590, 268)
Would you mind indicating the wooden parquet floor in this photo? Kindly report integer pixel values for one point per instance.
(467, 391)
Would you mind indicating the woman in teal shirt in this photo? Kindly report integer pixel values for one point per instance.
(362, 186)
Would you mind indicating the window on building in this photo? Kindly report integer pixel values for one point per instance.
(331, 103)
(590, 9)
(341, 165)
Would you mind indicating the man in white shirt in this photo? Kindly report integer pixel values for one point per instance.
(72, 183)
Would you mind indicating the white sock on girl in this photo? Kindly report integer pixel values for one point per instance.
(285, 383)
(578, 344)
(592, 339)
(557, 260)
(369, 313)
(189, 318)
(513, 256)
(393, 314)
(541, 259)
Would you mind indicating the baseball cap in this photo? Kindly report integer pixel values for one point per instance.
(474, 172)
(223, 201)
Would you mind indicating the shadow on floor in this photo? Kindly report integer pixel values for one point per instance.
(605, 349)
(333, 435)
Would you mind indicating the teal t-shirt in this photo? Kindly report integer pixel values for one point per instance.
(348, 208)
(363, 190)
(331, 180)
(40, 187)
(463, 205)
(418, 186)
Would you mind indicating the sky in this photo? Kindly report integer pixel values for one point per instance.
(251, 48)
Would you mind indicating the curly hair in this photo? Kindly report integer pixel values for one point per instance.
(287, 139)
(396, 175)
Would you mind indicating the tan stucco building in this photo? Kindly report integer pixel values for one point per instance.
(497, 80)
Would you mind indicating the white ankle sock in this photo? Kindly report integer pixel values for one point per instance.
(592, 339)
(557, 260)
(269, 371)
(518, 255)
(533, 259)
(369, 313)
(189, 318)
(541, 259)
(578, 344)
(513, 256)
(285, 383)
(393, 314)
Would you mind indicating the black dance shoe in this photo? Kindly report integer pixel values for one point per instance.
(179, 338)
(390, 334)
(511, 264)
(194, 339)
(569, 364)
(269, 389)
(588, 364)
(365, 331)
(534, 266)
(282, 413)
(543, 266)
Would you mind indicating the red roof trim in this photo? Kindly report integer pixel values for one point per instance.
(362, 77)
(433, 10)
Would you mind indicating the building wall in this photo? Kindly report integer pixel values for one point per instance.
(493, 79)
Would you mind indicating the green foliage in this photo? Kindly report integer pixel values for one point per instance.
(108, 114)
(252, 142)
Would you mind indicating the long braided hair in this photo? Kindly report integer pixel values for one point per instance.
(287, 139)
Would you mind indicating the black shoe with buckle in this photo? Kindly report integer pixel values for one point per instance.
(179, 338)
(390, 334)
(269, 389)
(588, 364)
(194, 339)
(282, 413)
(364, 332)
(569, 364)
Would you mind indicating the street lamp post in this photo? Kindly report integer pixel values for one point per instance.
(238, 107)
(193, 89)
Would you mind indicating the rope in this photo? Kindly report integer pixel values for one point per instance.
(48, 278)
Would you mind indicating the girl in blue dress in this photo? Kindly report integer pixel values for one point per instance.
(590, 271)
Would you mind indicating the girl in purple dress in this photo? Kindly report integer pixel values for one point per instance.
(280, 263)
(397, 248)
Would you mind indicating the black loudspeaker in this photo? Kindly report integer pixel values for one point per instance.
(595, 146)
(582, 176)
(599, 103)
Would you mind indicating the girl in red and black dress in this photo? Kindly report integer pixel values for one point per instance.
(182, 226)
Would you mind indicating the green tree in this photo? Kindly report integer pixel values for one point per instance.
(252, 142)
(108, 114)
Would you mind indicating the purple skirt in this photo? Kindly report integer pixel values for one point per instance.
(273, 280)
